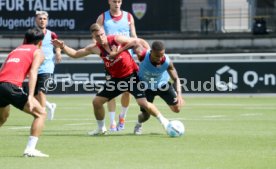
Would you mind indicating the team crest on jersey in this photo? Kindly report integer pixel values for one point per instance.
(139, 9)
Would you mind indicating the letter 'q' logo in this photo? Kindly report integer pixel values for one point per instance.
(230, 83)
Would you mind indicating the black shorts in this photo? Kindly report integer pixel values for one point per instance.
(12, 94)
(116, 86)
(42, 82)
(107, 75)
(169, 95)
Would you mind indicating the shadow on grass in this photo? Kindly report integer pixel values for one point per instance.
(11, 156)
(117, 134)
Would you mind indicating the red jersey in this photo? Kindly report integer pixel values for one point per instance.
(122, 65)
(17, 65)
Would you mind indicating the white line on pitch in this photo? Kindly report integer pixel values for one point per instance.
(208, 119)
(214, 116)
(260, 108)
(79, 124)
(72, 119)
(18, 128)
(252, 114)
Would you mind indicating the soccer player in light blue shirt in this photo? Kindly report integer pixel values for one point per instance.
(46, 70)
(155, 70)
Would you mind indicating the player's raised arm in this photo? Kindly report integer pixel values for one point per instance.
(57, 49)
(128, 43)
(90, 49)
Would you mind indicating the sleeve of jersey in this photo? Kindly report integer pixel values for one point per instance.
(54, 35)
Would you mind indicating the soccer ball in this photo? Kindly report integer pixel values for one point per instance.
(175, 128)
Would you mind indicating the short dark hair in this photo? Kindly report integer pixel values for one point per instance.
(157, 46)
(33, 36)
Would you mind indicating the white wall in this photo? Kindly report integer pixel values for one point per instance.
(235, 16)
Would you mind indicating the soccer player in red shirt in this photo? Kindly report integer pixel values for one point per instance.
(23, 61)
(122, 68)
(115, 21)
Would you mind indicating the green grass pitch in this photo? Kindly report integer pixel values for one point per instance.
(232, 132)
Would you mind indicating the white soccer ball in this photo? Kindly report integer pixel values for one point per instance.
(175, 128)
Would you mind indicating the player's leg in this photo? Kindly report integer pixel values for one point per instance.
(98, 107)
(39, 114)
(18, 98)
(41, 91)
(144, 115)
(41, 97)
(99, 113)
(4, 114)
(139, 94)
(111, 106)
(102, 97)
(50, 108)
(170, 97)
(175, 108)
(5, 91)
(125, 99)
(152, 110)
(4, 104)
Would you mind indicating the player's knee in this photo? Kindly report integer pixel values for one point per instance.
(40, 93)
(144, 105)
(43, 113)
(146, 116)
(143, 116)
(3, 119)
(127, 94)
(175, 109)
(97, 103)
(39, 112)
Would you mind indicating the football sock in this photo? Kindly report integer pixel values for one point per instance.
(123, 112)
(48, 105)
(112, 118)
(162, 120)
(32, 142)
(101, 124)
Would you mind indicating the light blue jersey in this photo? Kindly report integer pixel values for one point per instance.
(47, 47)
(155, 77)
(120, 27)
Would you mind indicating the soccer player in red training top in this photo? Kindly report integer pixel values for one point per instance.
(122, 68)
(115, 21)
(22, 61)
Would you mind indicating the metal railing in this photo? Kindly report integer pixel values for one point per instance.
(213, 20)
